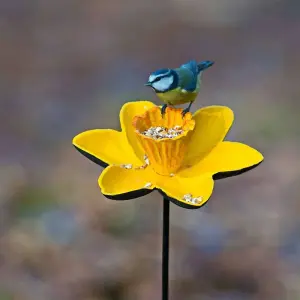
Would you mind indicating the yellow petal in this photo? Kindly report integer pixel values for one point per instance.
(212, 125)
(227, 159)
(105, 146)
(177, 189)
(123, 184)
(127, 113)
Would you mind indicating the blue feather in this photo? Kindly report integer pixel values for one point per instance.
(204, 65)
(192, 65)
(161, 71)
(187, 79)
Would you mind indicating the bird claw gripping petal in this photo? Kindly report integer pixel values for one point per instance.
(185, 111)
(163, 109)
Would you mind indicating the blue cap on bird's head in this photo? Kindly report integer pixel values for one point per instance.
(156, 75)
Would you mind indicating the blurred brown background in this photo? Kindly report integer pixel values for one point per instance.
(67, 66)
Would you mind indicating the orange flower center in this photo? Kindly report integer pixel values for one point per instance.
(164, 138)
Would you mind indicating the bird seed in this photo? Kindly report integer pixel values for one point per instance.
(146, 159)
(197, 200)
(127, 166)
(189, 198)
(163, 132)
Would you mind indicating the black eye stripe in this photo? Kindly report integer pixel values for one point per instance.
(157, 78)
(160, 76)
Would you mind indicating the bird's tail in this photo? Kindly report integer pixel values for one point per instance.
(203, 65)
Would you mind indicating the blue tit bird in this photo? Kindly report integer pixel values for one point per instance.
(180, 85)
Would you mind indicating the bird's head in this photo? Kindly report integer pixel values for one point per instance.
(163, 80)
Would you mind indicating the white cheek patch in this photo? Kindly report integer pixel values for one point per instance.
(163, 84)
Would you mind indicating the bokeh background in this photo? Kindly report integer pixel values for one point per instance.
(67, 66)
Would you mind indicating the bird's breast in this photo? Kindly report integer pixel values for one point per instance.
(177, 96)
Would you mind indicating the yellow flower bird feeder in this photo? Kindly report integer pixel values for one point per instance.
(178, 156)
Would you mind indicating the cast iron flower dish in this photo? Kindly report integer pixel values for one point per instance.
(180, 156)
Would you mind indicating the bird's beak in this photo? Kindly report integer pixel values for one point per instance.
(148, 84)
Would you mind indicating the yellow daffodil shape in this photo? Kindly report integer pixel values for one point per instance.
(180, 156)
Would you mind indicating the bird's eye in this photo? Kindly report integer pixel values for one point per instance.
(157, 79)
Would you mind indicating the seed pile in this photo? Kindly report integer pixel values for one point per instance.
(189, 198)
(163, 132)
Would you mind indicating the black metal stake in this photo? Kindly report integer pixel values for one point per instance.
(165, 249)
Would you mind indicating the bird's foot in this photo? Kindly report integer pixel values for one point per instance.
(163, 109)
(185, 111)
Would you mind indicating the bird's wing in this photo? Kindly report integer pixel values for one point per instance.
(192, 65)
(187, 80)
